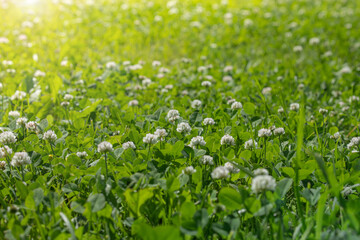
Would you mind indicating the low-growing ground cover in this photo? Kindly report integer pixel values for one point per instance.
(179, 119)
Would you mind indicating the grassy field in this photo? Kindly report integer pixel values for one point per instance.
(177, 119)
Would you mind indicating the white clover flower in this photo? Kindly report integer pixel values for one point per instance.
(227, 140)
(18, 95)
(348, 26)
(236, 105)
(7, 62)
(7, 138)
(186, 60)
(294, 106)
(135, 67)
(183, 127)
(220, 173)
(354, 142)
(279, 131)
(241, 211)
(127, 145)
(228, 69)
(5, 151)
(231, 101)
(50, 136)
(14, 114)
(354, 99)
(228, 18)
(262, 183)
(164, 70)
(4, 40)
(231, 168)
(126, 63)
(68, 97)
(160, 75)
(344, 109)
(261, 171)
(161, 133)
(208, 121)
(137, 87)
(82, 154)
(23, 37)
(196, 104)
(173, 115)
(31, 126)
(185, 92)
(105, 147)
(157, 18)
(133, 103)
(323, 111)
(327, 54)
(110, 65)
(209, 77)
(169, 86)
(206, 84)
(345, 70)
(248, 22)
(156, 63)
(2, 164)
(206, 160)
(314, 41)
(80, 82)
(335, 135)
(150, 138)
(146, 82)
(64, 63)
(227, 78)
(280, 110)
(196, 24)
(264, 132)
(189, 170)
(297, 48)
(202, 69)
(20, 159)
(301, 86)
(197, 141)
(1, 86)
(266, 91)
(39, 73)
(249, 144)
(64, 104)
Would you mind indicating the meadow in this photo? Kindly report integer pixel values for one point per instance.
(179, 119)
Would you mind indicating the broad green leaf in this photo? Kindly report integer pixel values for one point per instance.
(249, 108)
(230, 198)
(283, 186)
(97, 202)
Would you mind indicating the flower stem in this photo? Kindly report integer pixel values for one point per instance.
(22, 173)
(52, 149)
(148, 155)
(106, 168)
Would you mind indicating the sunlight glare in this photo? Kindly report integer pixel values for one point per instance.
(27, 2)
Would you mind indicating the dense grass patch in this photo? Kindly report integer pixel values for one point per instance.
(179, 119)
